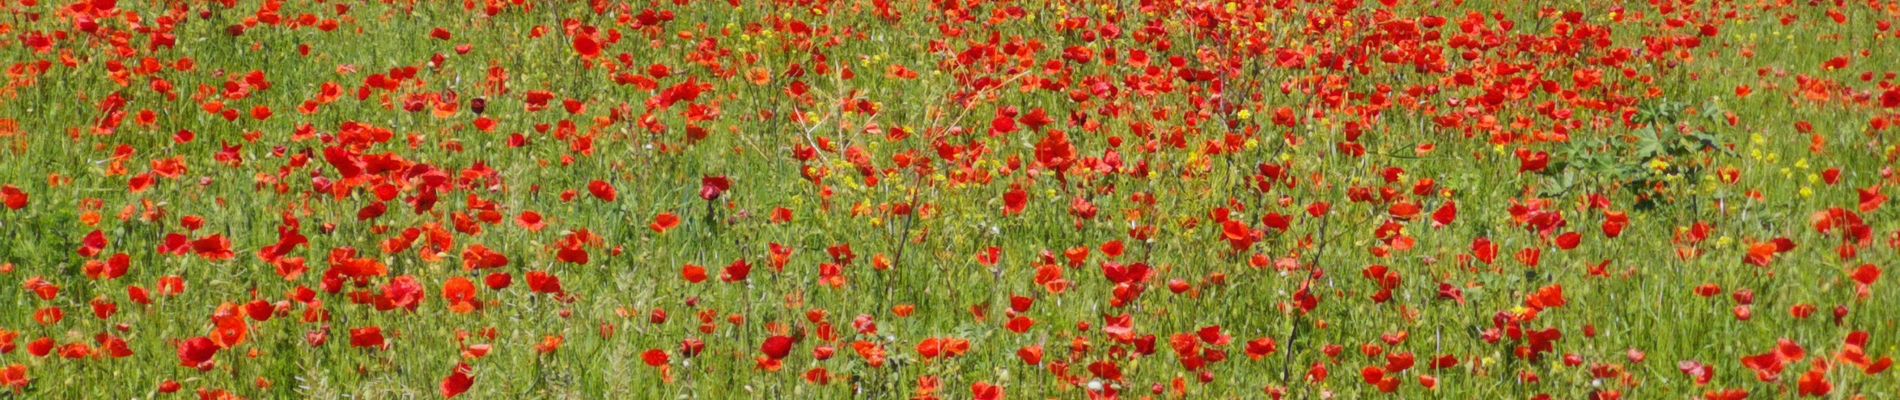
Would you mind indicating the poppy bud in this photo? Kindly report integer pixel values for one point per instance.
(1744, 297)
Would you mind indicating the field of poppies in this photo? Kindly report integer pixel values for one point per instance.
(955, 199)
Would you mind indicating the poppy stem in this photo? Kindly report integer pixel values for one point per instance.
(1293, 329)
(903, 238)
(711, 223)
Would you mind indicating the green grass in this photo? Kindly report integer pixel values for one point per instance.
(932, 213)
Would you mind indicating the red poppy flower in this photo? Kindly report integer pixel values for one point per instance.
(654, 357)
(777, 347)
(664, 222)
(369, 337)
(693, 273)
(603, 191)
(213, 248)
(586, 46)
(460, 293)
(1014, 200)
(738, 271)
(711, 187)
(986, 391)
(14, 378)
(1445, 214)
(1699, 373)
(478, 257)
(12, 197)
(197, 352)
(544, 283)
(1261, 348)
(92, 244)
(458, 382)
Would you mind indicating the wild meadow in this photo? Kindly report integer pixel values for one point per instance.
(949, 199)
